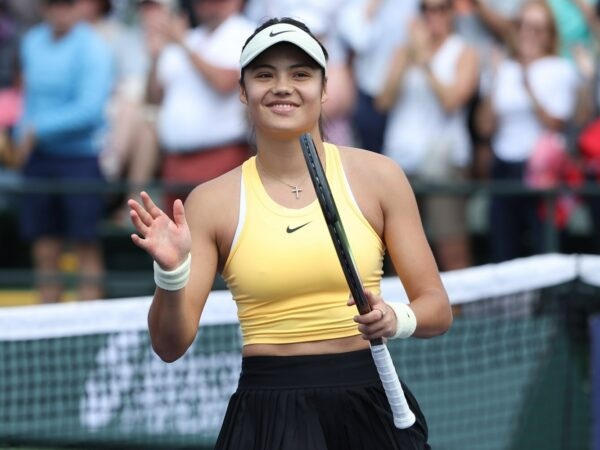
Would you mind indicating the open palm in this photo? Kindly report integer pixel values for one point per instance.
(167, 241)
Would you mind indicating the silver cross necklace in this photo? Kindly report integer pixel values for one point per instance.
(296, 188)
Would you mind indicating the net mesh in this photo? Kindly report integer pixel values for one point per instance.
(512, 373)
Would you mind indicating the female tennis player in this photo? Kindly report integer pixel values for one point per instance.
(308, 380)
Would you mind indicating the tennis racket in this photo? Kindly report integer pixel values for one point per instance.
(403, 416)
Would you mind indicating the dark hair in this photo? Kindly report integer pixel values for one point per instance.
(303, 27)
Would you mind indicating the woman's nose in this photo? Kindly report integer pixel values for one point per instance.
(283, 86)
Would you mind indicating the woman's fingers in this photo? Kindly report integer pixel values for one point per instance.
(150, 206)
(141, 212)
(373, 331)
(138, 223)
(351, 301)
(377, 323)
(140, 242)
(179, 213)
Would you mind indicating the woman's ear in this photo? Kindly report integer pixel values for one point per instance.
(243, 96)
(324, 92)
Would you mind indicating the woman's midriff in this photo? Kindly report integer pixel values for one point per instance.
(328, 346)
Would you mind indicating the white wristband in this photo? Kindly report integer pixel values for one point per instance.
(173, 280)
(405, 319)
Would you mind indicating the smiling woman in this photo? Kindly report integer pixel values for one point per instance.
(306, 359)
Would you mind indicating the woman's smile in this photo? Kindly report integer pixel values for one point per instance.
(283, 108)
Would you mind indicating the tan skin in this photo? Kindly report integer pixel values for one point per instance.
(284, 92)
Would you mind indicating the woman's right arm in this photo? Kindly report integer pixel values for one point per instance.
(174, 315)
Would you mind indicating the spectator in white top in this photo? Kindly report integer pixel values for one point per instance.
(430, 82)
(373, 29)
(532, 94)
(201, 123)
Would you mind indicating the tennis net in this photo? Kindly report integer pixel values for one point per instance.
(512, 373)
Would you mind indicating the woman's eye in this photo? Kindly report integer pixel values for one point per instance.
(302, 74)
(263, 75)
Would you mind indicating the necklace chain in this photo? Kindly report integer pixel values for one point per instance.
(296, 188)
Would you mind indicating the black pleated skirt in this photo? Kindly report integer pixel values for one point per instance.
(315, 402)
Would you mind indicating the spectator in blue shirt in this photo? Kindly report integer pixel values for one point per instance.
(68, 76)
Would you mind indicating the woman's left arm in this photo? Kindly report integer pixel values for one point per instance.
(411, 256)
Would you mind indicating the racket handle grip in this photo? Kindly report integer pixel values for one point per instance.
(403, 416)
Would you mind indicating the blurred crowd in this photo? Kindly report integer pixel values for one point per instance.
(140, 91)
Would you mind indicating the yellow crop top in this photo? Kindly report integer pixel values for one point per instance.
(283, 270)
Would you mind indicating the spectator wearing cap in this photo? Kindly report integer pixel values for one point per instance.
(67, 77)
(201, 124)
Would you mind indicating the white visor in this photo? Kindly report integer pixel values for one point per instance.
(282, 32)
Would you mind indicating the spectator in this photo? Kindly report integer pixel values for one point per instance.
(430, 82)
(10, 101)
(131, 150)
(589, 137)
(10, 93)
(570, 22)
(532, 93)
(27, 12)
(67, 74)
(486, 24)
(372, 29)
(201, 124)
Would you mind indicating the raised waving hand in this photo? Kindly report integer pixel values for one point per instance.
(167, 241)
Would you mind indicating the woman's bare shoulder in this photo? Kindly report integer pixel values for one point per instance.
(215, 200)
(367, 163)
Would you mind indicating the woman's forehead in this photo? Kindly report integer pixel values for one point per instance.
(283, 54)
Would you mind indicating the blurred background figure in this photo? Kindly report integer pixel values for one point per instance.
(27, 12)
(201, 123)
(67, 79)
(130, 153)
(532, 95)
(321, 18)
(372, 30)
(588, 142)
(430, 82)
(10, 92)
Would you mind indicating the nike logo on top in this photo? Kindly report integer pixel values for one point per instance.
(291, 230)
(273, 34)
